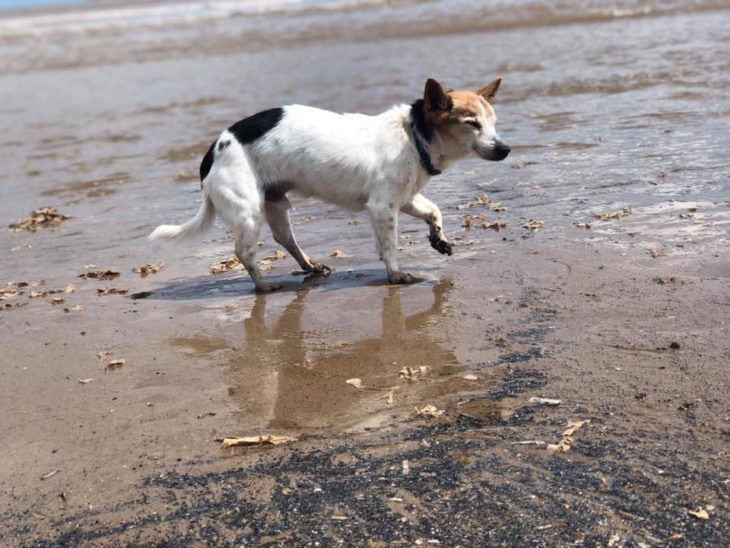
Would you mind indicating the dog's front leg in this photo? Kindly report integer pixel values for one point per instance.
(385, 224)
(423, 208)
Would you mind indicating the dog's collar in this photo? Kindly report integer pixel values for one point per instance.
(423, 152)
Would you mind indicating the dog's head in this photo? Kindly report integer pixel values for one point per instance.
(465, 120)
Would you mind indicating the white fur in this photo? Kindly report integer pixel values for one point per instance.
(341, 158)
(351, 160)
(201, 222)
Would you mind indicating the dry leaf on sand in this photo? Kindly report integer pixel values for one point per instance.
(231, 263)
(357, 383)
(50, 474)
(564, 444)
(545, 401)
(57, 300)
(485, 200)
(37, 294)
(45, 217)
(76, 308)
(86, 381)
(149, 268)
(100, 275)
(470, 377)
(411, 373)
(278, 254)
(609, 215)
(405, 467)
(469, 220)
(496, 225)
(575, 425)
(528, 442)
(9, 292)
(337, 253)
(532, 224)
(389, 396)
(111, 291)
(115, 364)
(699, 513)
(430, 411)
(28, 283)
(266, 439)
(70, 288)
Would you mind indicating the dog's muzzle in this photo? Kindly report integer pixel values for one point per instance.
(500, 151)
(496, 152)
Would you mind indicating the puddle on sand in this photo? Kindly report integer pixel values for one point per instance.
(289, 370)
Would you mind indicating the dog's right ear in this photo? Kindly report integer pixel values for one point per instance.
(490, 90)
(435, 98)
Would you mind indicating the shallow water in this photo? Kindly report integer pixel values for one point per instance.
(605, 109)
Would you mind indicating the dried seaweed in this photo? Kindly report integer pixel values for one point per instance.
(45, 217)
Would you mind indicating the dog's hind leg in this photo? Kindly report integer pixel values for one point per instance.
(277, 214)
(423, 208)
(233, 188)
(247, 238)
(242, 212)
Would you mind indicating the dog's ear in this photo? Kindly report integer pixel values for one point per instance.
(435, 98)
(490, 90)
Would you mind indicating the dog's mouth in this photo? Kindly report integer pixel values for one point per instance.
(495, 152)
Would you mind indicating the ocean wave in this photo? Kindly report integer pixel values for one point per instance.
(89, 18)
(492, 13)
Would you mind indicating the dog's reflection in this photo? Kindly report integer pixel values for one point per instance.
(289, 376)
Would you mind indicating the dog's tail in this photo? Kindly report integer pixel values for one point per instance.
(202, 221)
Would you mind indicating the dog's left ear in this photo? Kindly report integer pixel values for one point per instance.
(435, 97)
(490, 90)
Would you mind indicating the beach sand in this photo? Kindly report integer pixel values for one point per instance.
(106, 114)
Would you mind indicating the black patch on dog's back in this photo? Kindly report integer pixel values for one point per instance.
(254, 127)
(207, 163)
(245, 131)
(418, 115)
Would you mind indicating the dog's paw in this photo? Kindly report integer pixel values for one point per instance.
(442, 246)
(321, 268)
(403, 278)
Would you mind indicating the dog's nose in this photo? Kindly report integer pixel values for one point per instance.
(501, 151)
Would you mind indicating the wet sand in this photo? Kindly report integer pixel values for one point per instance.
(624, 322)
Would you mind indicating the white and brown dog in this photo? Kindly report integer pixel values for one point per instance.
(377, 163)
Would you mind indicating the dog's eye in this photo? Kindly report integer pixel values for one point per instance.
(473, 123)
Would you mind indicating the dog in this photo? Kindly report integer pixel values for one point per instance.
(376, 163)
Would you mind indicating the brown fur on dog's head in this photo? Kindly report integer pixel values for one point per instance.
(464, 119)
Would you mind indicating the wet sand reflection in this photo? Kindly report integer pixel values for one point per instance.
(294, 377)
